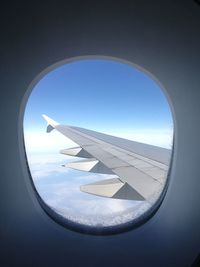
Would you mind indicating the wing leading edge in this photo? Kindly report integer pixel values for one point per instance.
(141, 169)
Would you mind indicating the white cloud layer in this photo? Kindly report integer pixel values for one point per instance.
(60, 189)
(40, 141)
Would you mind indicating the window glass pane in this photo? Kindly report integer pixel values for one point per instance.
(109, 97)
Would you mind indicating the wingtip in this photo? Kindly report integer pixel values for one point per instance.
(45, 116)
(50, 121)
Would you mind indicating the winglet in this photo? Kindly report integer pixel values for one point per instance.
(51, 124)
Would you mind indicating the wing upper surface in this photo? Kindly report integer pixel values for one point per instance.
(141, 168)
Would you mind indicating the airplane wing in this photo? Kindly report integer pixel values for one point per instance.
(141, 169)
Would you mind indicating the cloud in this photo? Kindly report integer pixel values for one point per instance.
(60, 188)
(71, 203)
(40, 141)
(44, 165)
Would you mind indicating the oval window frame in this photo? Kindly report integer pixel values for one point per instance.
(37, 199)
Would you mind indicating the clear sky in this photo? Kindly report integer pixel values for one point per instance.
(99, 94)
(102, 95)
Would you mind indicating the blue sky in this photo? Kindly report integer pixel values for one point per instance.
(101, 95)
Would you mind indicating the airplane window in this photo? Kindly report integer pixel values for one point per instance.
(98, 138)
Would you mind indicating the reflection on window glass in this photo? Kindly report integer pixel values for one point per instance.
(108, 97)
